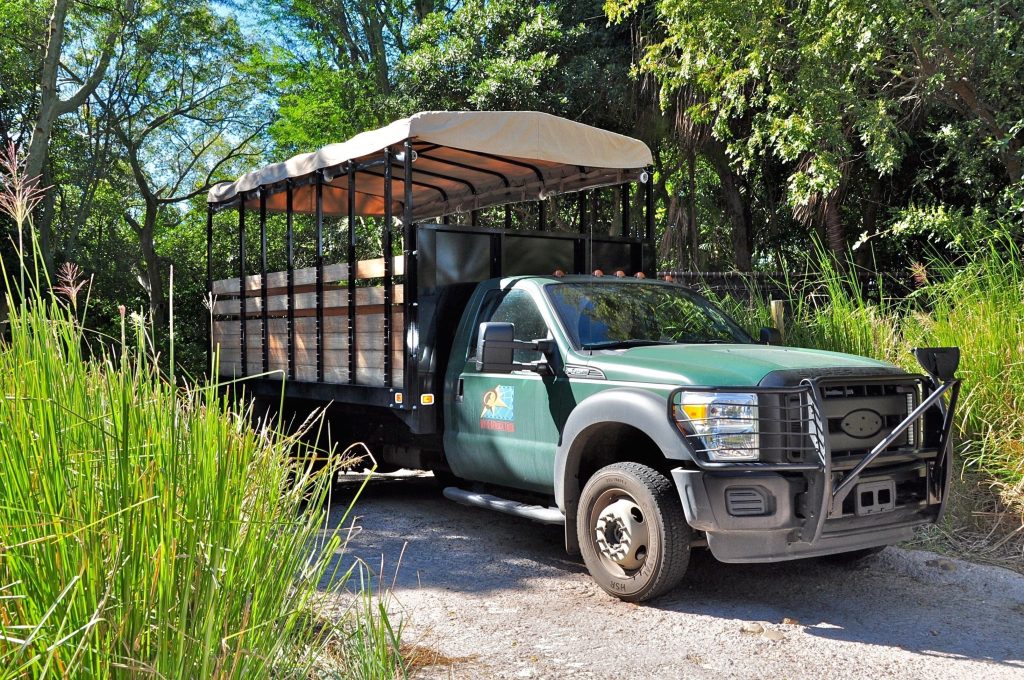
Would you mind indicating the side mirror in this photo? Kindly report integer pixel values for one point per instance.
(939, 362)
(771, 336)
(494, 347)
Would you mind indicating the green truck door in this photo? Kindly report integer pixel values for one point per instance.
(504, 432)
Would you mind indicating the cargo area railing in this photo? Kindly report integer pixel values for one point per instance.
(350, 330)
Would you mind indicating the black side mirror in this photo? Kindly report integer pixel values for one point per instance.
(770, 336)
(494, 347)
(939, 362)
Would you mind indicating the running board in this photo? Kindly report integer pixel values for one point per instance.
(483, 500)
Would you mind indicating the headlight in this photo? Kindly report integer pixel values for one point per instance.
(726, 423)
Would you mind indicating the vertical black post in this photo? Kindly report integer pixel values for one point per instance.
(388, 267)
(411, 304)
(542, 215)
(474, 218)
(319, 277)
(209, 290)
(508, 216)
(649, 220)
(290, 254)
(624, 190)
(447, 219)
(243, 347)
(351, 275)
(263, 281)
(584, 232)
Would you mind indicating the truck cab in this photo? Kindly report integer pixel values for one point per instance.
(506, 360)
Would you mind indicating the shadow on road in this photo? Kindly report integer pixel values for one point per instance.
(893, 600)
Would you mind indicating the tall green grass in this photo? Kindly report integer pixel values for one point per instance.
(976, 304)
(151, 531)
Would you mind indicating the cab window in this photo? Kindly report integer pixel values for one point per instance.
(515, 307)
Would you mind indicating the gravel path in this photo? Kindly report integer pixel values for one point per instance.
(500, 597)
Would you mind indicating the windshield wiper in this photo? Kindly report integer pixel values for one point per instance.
(622, 344)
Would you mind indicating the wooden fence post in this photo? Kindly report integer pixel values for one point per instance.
(778, 310)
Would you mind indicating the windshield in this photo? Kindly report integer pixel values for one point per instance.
(612, 315)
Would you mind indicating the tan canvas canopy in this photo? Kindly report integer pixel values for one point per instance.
(463, 161)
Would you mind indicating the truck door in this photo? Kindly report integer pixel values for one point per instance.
(501, 429)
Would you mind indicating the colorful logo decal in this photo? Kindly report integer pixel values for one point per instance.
(499, 409)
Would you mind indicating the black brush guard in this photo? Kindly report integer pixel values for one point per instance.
(825, 495)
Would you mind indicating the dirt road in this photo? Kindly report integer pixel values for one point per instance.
(500, 597)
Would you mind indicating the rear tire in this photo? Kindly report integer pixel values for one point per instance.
(632, 532)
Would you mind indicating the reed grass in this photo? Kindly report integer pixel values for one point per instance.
(148, 530)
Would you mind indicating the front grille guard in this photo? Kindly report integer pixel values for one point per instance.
(812, 438)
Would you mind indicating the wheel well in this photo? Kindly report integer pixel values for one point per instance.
(607, 443)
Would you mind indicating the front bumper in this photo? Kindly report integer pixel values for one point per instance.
(774, 511)
(779, 534)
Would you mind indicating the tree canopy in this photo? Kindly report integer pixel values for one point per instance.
(885, 127)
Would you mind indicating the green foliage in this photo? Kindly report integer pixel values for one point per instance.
(512, 55)
(977, 305)
(845, 94)
(148, 529)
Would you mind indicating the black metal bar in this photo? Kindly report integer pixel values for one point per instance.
(508, 161)
(496, 259)
(243, 353)
(351, 275)
(426, 148)
(649, 221)
(581, 203)
(411, 282)
(209, 291)
(466, 166)
(450, 178)
(508, 216)
(842, 489)
(542, 215)
(263, 283)
(290, 255)
(319, 277)
(624, 190)
(474, 218)
(649, 210)
(444, 194)
(388, 267)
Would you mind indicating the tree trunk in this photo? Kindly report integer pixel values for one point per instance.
(154, 276)
(691, 216)
(51, 106)
(835, 233)
(736, 206)
(863, 254)
(150, 278)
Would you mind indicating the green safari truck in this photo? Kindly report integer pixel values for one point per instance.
(512, 338)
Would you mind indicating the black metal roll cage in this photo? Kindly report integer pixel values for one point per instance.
(407, 398)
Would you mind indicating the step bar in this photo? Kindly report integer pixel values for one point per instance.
(537, 513)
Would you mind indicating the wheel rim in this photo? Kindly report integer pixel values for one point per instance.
(620, 532)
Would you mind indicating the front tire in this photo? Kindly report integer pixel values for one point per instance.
(632, 532)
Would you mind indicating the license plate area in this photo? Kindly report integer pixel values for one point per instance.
(873, 498)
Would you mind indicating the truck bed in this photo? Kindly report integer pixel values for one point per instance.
(369, 319)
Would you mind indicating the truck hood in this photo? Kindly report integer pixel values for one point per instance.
(720, 365)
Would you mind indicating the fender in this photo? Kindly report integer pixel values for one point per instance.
(637, 408)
